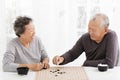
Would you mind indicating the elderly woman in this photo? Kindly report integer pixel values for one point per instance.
(26, 50)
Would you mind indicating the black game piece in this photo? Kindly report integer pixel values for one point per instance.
(44, 68)
(58, 70)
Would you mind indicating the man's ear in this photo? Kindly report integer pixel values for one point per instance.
(106, 30)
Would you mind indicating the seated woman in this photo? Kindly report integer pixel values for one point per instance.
(26, 50)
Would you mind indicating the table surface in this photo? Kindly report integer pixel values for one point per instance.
(92, 73)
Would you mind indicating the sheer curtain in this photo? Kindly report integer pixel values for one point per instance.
(59, 23)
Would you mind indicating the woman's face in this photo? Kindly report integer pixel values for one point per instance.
(29, 33)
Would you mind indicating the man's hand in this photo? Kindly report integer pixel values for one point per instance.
(57, 60)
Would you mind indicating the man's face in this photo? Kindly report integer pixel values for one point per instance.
(96, 31)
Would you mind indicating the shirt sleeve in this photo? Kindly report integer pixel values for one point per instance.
(112, 53)
(74, 53)
(9, 58)
(42, 50)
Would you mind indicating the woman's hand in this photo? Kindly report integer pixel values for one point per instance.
(33, 67)
(36, 66)
(45, 63)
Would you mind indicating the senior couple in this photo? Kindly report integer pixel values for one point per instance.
(100, 45)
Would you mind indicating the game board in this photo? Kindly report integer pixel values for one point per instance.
(62, 73)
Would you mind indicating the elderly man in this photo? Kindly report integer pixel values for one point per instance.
(100, 45)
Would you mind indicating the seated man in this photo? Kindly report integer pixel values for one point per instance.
(26, 50)
(100, 45)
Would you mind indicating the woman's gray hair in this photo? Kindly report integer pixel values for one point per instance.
(20, 23)
(104, 19)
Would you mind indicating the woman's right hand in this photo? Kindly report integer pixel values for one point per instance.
(33, 67)
(36, 66)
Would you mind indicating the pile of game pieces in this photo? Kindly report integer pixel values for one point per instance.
(57, 72)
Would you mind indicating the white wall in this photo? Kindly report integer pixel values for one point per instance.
(56, 21)
(2, 31)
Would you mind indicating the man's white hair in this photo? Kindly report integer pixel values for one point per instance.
(104, 19)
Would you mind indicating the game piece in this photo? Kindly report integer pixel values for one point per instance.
(58, 70)
(56, 75)
(44, 68)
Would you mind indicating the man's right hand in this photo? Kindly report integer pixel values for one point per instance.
(57, 60)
